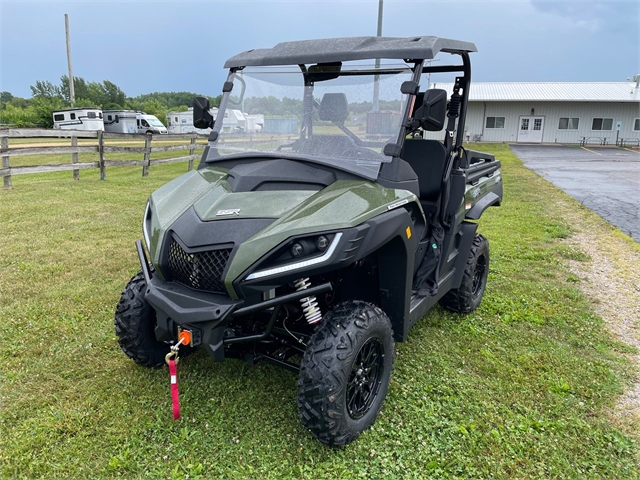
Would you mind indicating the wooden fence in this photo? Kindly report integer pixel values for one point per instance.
(100, 148)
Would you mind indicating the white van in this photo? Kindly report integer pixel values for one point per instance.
(78, 119)
(149, 124)
(120, 121)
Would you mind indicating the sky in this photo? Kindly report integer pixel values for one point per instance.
(149, 46)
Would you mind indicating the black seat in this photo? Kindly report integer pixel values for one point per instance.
(427, 158)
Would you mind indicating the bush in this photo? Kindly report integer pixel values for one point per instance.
(21, 117)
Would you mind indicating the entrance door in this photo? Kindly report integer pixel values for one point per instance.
(530, 129)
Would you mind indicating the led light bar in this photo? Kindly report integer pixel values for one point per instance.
(298, 265)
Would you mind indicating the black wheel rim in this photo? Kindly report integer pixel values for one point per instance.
(365, 378)
(478, 275)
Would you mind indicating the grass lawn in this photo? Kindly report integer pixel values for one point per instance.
(521, 388)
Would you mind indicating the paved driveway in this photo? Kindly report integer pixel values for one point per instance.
(606, 180)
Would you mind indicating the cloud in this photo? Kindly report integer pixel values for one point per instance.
(608, 16)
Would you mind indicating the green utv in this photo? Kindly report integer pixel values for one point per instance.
(316, 242)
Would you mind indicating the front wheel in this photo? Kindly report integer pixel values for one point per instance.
(135, 322)
(345, 372)
(467, 297)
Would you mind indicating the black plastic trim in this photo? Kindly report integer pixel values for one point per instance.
(491, 198)
(291, 297)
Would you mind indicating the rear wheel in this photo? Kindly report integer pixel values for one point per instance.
(468, 296)
(345, 372)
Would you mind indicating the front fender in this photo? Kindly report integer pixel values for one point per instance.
(342, 205)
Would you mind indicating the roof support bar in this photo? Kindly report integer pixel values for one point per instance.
(443, 68)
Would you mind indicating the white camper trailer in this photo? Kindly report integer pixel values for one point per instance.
(78, 119)
(120, 121)
(182, 122)
(234, 121)
(146, 123)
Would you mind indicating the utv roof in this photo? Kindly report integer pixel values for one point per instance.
(350, 48)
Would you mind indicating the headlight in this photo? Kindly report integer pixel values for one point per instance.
(305, 251)
(146, 225)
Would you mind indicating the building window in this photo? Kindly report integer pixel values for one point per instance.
(493, 122)
(602, 124)
(524, 125)
(537, 124)
(91, 114)
(59, 117)
(568, 123)
(636, 125)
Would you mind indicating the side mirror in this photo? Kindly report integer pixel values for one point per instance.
(431, 114)
(202, 117)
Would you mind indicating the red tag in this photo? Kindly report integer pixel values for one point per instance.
(173, 371)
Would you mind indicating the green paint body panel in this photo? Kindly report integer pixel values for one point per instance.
(344, 204)
(473, 193)
(268, 204)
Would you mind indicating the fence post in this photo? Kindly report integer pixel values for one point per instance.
(103, 173)
(74, 158)
(147, 154)
(192, 150)
(5, 163)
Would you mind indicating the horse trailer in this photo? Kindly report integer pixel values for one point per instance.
(78, 119)
(120, 121)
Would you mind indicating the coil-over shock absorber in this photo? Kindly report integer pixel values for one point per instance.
(309, 304)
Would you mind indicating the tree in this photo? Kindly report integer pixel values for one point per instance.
(46, 89)
(19, 102)
(43, 108)
(5, 97)
(112, 93)
(20, 117)
(80, 89)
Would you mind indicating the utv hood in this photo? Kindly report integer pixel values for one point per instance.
(342, 204)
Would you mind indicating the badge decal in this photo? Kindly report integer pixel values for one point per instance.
(233, 211)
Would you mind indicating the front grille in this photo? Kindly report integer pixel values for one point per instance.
(201, 270)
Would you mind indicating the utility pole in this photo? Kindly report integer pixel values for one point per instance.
(376, 79)
(72, 94)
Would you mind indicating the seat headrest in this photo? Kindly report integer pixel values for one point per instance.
(334, 108)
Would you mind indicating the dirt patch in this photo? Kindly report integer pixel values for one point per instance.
(609, 274)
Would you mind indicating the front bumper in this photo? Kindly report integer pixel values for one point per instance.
(210, 313)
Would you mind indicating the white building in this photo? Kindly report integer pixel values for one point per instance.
(596, 113)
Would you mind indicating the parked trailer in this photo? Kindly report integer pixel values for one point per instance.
(182, 122)
(281, 125)
(120, 121)
(235, 121)
(382, 123)
(78, 119)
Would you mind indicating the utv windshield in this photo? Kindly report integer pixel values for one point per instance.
(339, 121)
